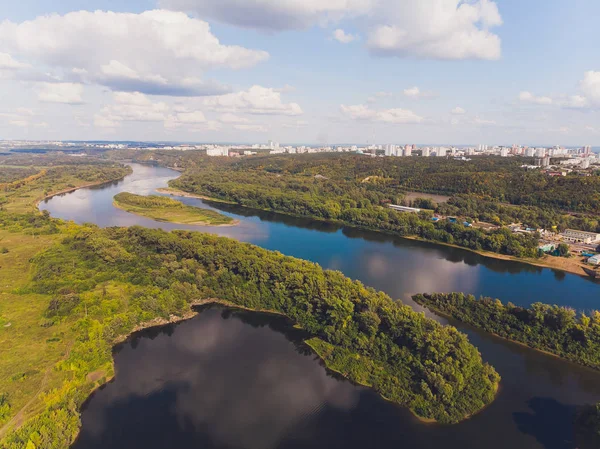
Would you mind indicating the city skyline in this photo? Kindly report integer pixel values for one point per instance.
(300, 71)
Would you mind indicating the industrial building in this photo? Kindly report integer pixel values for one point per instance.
(574, 236)
(595, 260)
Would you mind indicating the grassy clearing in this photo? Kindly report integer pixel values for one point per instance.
(29, 350)
(169, 210)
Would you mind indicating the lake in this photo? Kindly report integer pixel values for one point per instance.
(229, 379)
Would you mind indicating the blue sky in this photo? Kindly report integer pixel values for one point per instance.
(411, 71)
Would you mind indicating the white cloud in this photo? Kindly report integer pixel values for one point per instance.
(148, 52)
(19, 123)
(252, 128)
(483, 122)
(295, 125)
(528, 97)
(415, 92)
(190, 118)
(272, 14)
(7, 62)
(438, 29)
(256, 100)
(397, 116)
(343, 37)
(590, 86)
(232, 118)
(66, 93)
(458, 111)
(575, 102)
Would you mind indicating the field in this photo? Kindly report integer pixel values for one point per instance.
(169, 210)
(439, 199)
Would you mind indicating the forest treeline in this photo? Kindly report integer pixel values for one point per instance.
(107, 281)
(360, 204)
(491, 189)
(554, 329)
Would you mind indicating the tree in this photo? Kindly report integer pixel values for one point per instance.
(563, 250)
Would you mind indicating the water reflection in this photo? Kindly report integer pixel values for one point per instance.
(234, 379)
(188, 385)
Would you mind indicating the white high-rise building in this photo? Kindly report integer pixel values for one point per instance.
(503, 152)
(426, 152)
(407, 151)
(546, 161)
(540, 152)
(218, 151)
(441, 152)
(585, 164)
(530, 152)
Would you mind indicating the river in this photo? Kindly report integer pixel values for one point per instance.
(237, 380)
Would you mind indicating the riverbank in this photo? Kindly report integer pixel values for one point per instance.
(39, 200)
(160, 208)
(568, 265)
(556, 263)
(181, 193)
(547, 329)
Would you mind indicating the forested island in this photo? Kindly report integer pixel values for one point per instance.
(557, 330)
(70, 292)
(161, 208)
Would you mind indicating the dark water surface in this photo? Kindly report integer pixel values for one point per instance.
(238, 380)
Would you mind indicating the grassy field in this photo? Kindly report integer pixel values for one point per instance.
(30, 349)
(169, 210)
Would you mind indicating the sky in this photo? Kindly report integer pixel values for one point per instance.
(302, 71)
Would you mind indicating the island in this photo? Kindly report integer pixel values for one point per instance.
(165, 209)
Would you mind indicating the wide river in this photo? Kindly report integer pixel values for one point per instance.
(231, 379)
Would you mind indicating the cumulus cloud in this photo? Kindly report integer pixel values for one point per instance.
(256, 100)
(149, 52)
(528, 97)
(396, 116)
(7, 62)
(232, 118)
(343, 37)
(22, 118)
(590, 86)
(439, 29)
(274, 15)
(252, 128)
(458, 111)
(66, 93)
(415, 92)
(479, 121)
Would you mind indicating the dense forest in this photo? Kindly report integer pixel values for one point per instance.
(558, 330)
(105, 282)
(491, 189)
(361, 204)
(10, 174)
